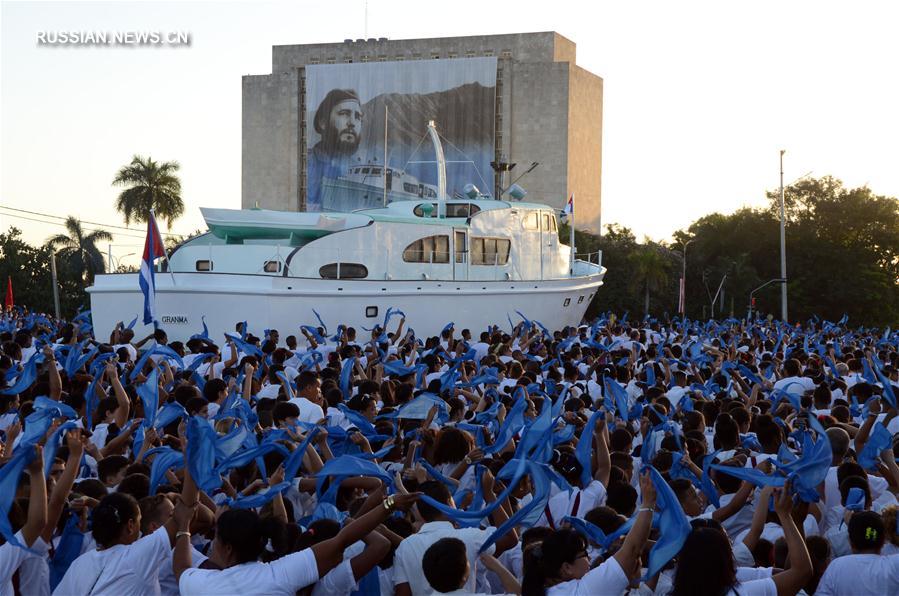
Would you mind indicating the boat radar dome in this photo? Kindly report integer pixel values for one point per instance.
(471, 191)
(516, 192)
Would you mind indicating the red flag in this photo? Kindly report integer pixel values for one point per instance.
(8, 303)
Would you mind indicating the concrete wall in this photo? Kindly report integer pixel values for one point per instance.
(539, 119)
(548, 110)
(585, 147)
(269, 165)
(527, 47)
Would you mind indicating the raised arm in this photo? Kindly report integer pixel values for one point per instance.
(329, 553)
(37, 499)
(628, 556)
(64, 485)
(790, 581)
(124, 404)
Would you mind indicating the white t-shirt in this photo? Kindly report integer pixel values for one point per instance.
(561, 504)
(861, 574)
(337, 582)
(409, 554)
(34, 574)
(121, 569)
(608, 578)
(284, 576)
(309, 412)
(11, 557)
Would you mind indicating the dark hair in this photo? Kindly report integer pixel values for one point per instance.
(437, 491)
(110, 466)
(621, 497)
(705, 565)
(284, 410)
(151, 511)
(866, 531)
(452, 446)
(136, 485)
(543, 561)
(111, 515)
(444, 564)
(242, 530)
(212, 389)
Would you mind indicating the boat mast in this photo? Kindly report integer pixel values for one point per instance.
(385, 153)
(441, 170)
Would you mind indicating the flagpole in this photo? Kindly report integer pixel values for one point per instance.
(571, 238)
(164, 249)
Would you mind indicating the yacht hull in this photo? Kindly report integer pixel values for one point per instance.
(284, 303)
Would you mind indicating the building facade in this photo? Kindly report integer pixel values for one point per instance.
(548, 110)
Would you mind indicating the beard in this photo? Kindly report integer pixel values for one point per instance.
(343, 142)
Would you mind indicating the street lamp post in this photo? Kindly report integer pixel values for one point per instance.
(683, 280)
(783, 244)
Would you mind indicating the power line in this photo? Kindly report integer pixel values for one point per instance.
(94, 223)
(56, 223)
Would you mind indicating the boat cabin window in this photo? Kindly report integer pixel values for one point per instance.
(546, 226)
(343, 271)
(365, 170)
(460, 210)
(432, 249)
(272, 266)
(204, 265)
(490, 251)
(531, 221)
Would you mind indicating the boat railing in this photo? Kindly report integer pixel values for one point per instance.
(432, 263)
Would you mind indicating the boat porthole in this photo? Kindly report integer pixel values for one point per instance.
(371, 311)
(567, 302)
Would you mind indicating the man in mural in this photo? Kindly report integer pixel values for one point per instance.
(338, 120)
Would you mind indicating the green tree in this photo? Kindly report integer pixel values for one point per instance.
(149, 185)
(29, 269)
(648, 271)
(80, 249)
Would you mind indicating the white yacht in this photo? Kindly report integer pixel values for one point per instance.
(474, 262)
(364, 185)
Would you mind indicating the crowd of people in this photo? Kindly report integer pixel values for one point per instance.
(644, 457)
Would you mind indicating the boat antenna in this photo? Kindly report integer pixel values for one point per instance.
(441, 170)
(385, 147)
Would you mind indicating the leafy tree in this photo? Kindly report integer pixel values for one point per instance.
(29, 268)
(150, 185)
(80, 249)
(649, 267)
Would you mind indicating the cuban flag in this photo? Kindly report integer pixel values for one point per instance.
(153, 249)
(569, 206)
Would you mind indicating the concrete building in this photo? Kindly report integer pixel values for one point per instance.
(548, 110)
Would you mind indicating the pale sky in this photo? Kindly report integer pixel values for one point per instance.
(699, 96)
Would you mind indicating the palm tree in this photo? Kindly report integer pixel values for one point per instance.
(150, 185)
(649, 270)
(80, 249)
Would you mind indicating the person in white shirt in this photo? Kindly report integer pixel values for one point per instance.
(240, 540)
(11, 556)
(706, 566)
(445, 565)
(866, 570)
(124, 562)
(408, 574)
(309, 397)
(560, 564)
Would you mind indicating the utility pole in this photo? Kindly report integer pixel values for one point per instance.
(783, 244)
(55, 285)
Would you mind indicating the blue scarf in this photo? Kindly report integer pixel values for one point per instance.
(9, 482)
(67, 551)
(879, 440)
(165, 458)
(674, 526)
(201, 440)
